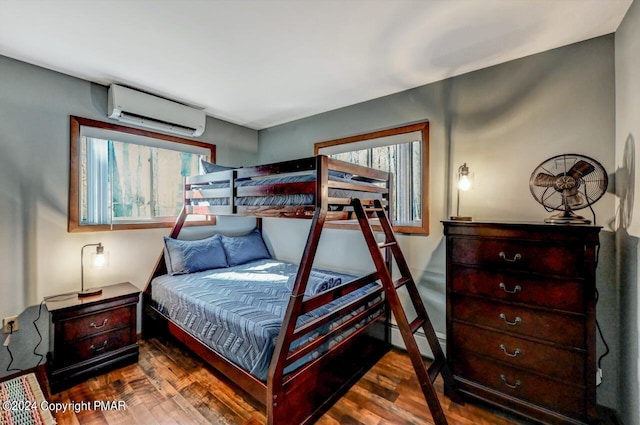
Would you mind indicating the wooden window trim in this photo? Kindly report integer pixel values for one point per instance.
(73, 224)
(423, 128)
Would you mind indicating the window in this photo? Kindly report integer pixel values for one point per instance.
(403, 151)
(125, 178)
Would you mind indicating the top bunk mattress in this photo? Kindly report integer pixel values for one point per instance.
(238, 311)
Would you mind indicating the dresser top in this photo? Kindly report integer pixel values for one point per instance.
(523, 230)
(514, 223)
(524, 224)
(110, 292)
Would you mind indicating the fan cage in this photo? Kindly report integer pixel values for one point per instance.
(568, 182)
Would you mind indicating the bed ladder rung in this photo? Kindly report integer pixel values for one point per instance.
(417, 323)
(387, 244)
(401, 282)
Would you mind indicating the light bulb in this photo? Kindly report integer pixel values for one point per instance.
(464, 183)
(99, 260)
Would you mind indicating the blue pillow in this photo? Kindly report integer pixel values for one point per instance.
(243, 249)
(194, 256)
(210, 167)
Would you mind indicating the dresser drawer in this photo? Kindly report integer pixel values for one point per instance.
(97, 345)
(548, 259)
(548, 393)
(558, 294)
(93, 324)
(555, 362)
(518, 320)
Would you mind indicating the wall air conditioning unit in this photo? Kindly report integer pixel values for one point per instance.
(145, 110)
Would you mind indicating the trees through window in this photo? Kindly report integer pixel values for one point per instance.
(127, 178)
(402, 151)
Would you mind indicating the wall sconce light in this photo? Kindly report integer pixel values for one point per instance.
(464, 184)
(98, 261)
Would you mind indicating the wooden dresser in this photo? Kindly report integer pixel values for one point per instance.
(92, 334)
(521, 303)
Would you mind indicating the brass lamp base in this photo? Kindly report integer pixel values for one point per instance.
(89, 292)
(460, 218)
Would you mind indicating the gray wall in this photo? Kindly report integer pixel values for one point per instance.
(38, 257)
(627, 46)
(502, 121)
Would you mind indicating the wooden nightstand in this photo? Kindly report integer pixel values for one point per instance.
(92, 334)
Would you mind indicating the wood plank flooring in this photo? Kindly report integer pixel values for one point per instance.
(169, 385)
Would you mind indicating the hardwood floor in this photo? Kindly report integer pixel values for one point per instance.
(169, 385)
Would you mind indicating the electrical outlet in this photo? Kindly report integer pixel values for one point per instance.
(5, 324)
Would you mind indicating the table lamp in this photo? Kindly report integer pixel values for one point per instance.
(98, 261)
(464, 184)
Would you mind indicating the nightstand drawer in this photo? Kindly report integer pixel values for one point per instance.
(562, 329)
(567, 399)
(558, 363)
(538, 257)
(103, 321)
(96, 345)
(558, 294)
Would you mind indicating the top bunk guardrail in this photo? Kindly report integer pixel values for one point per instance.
(287, 189)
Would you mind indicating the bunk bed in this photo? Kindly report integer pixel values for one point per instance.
(327, 336)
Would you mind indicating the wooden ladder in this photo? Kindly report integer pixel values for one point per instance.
(426, 376)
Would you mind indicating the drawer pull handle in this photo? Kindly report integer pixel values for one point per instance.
(104, 323)
(510, 260)
(101, 347)
(515, 322)
(514, 386)
(514, 354)
(515, 290)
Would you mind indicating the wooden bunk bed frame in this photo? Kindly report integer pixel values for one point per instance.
(302, 396)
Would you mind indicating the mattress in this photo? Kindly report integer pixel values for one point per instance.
(238, 311)
(288, 199)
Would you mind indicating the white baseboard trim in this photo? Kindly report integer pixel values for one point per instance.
(421, 340)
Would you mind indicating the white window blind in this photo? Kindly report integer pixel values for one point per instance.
(127, 178)
(396, 139)
(106, 134)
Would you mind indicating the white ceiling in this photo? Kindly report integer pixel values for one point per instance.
(260, 63)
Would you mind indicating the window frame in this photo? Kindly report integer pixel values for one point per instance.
(423, 128)
(73, 224)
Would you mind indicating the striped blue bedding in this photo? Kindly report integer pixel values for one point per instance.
(238, 311)
(288, 199)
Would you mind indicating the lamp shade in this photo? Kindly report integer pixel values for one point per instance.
(98, 261)
(464, 179)
(464, 183)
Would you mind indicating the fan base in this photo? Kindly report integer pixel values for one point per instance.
(459, 218)
(567, 217)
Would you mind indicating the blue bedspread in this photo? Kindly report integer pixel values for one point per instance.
(238, 311)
